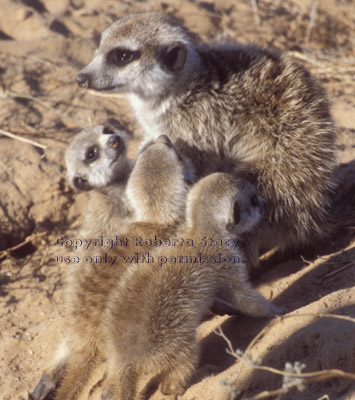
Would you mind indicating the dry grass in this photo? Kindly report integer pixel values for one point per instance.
(293, 377)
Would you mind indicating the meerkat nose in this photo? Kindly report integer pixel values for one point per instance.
(82, 80)
(81, 183)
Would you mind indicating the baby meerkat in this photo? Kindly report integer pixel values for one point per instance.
(155, 332)
(96, 159)
(93, 164)
(239, 109)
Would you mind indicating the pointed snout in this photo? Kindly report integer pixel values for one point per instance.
(83, 80)
(81, 183)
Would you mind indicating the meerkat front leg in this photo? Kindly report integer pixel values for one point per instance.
(52, 376)
(177, 380)
(249, 301)
(122, 384)
(48, 383)
(252, 252)
(222, 307)
(78, 374)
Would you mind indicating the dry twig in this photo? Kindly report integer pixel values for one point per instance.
(22, 139)
(28, 239)
(254, 6)
(312, 17)
(350, 264)
(300, 377)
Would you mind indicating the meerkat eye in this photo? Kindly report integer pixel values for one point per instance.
(121, 56)
(91, 154)
(254, 201)
(236, 213)
(115, 142)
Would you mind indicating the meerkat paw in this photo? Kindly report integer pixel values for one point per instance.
(105, 395)
(222, 307)
(109, 393)
(44, 389)
(176, 381)
(48, 384)
(277, 311)
(269, 310)
(174, 384)
(258, 306)
(170, 388)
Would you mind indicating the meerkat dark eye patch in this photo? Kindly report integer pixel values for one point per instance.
(116, 142)
(108, 131)
(92, 154)
(254, 201)
(236, 213)
(121, 56)
(174, 57)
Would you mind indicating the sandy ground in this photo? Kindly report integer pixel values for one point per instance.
(43, 44)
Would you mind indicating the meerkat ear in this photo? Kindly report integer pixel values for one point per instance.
(174, 57)
(236, 213)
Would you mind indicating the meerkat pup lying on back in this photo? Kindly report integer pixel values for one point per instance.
(155, 331)
(155, 203)
(96, 159)
(240, 109)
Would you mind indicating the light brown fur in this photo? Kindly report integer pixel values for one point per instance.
(97, 159)
(89, 284)
(153, 311)
(241, 109)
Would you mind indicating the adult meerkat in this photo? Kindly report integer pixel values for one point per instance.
(240, 109)
(155, 332)
(156, 189)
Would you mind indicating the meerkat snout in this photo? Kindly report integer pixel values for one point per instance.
(246, 216)
(111, 65)
(82, 80)
(81, 183)
(231, 202)
(128, 61)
